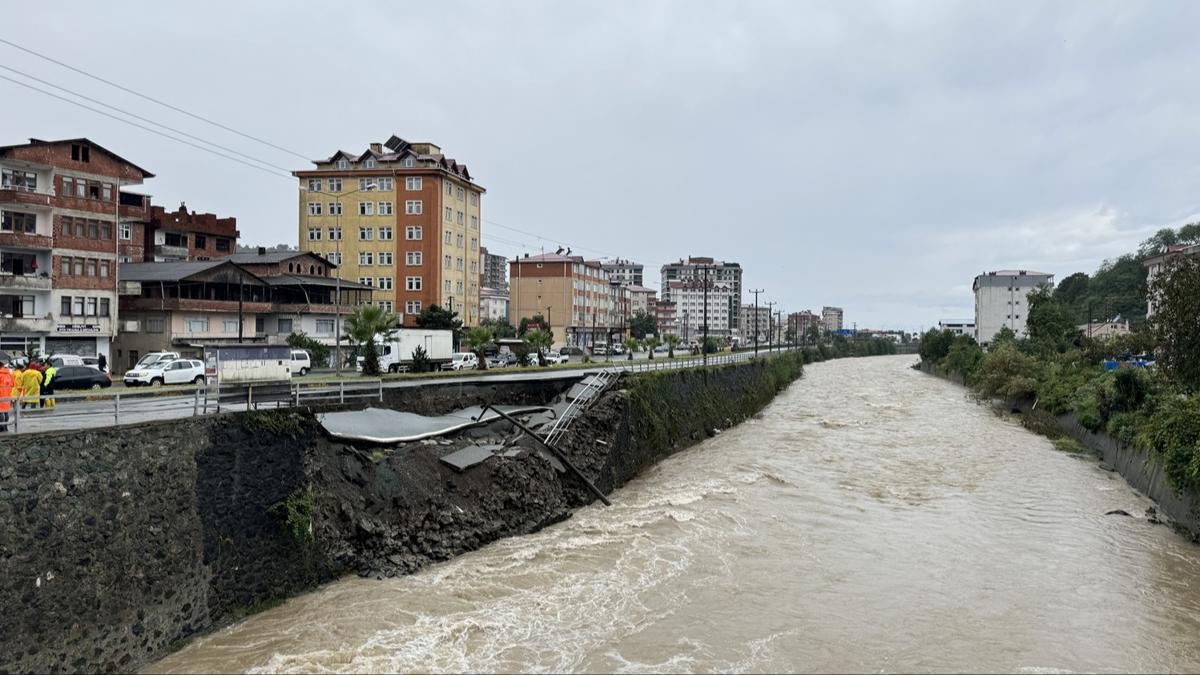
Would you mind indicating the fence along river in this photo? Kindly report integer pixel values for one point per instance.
(873, 519)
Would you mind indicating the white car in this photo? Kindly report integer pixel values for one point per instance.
(301, 362)
(463, 361)
(179, 371)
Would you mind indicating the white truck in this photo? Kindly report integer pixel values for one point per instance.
(396, 353)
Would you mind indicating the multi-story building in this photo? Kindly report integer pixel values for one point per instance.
(1001, 301)
(803, 322)
(754, 322)
(641, 299)
(186, 235)
(493, 304)
(666, 317)
(831, 319)
(693, 306)
(957, 326)
(726, 274)
(1156, 265)
(247, 297)
(63, 216)
(401, 217)
(575, 296)
(625, 272)
(493, 270)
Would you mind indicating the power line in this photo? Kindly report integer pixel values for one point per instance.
(153, 131)
(541, 238)
(151, 99)
(144, 119)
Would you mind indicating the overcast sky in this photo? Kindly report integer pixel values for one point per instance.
(874, 156)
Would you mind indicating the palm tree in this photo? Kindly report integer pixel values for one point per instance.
(672, 340)
(363, 327)
(539, 340)
(630, 345)
(477, 339)
(651, 342)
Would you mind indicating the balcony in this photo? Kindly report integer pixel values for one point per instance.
(193, 305)
(25, 325)
(26, 241)
(168, 251)
(38, 199)
(25, 282)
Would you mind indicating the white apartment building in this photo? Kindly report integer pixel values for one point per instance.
(689, 299)
(831, 318)
(695, 269)
(1001, 301)
(493, 304)
(748, 323)
(957, 326)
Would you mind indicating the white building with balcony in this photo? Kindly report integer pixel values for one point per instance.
(1001, 301)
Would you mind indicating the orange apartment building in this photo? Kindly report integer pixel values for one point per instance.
(402, 218)
(577, 298)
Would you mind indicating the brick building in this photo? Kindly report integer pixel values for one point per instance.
(63, 217)
(574, 295)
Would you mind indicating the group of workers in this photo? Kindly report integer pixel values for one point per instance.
(29, 386)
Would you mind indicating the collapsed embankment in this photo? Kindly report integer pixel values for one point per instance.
(1143, 470)
(118, 544)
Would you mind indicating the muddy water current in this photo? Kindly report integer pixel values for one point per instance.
(873, 519)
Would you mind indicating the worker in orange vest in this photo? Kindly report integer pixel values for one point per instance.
(6, 387)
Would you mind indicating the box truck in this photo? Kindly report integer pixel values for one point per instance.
(396, 353)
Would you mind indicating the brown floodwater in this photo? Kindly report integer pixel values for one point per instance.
(873, 519)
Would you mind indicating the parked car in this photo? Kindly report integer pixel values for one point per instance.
(497, 361)
(93, 361)
(81, 377)
(62, 360)
(180, 371)
(152, 358)
(301, 361)
(662, 349)
(463, 361)
(571, 350)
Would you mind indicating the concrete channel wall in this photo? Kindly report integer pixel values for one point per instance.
(118, 544)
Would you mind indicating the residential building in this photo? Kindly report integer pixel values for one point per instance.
(641, 299)
(958, 327)
(63, 217)
(185, 305)
(1001, 301)
(804, 321)
(575, 296)
(625, 272)
(726, 274)
(493, 271)
(1105, 330)
(493, 304)
(831, 319)
(401, 217)
(755, 323)
(694, 305)
(1157, 264)
(186, 235)
(666, 318)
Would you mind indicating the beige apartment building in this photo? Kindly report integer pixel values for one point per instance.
(402, 218)
(574, 295)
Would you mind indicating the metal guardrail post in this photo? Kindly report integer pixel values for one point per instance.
(117, 409)
(381, 391)
(196, 403)
(296, 396)
(249, 396)
(341, 392)
(16, 406)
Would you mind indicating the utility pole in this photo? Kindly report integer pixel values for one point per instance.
(756, 320)
(770, 330)
(704, 345)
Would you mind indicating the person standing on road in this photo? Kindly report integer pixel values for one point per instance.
(103, 362)
(48, 386)
(18, 384)
(31, 387)
(6, 390)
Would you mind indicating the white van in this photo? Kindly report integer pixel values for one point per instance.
(60, 360)
(301, 362)
(464, 361)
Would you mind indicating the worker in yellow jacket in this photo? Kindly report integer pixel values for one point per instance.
(48, 386)
(31, 387)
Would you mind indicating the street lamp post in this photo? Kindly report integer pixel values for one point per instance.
(770, 326)
(337, 293)
(755, 320)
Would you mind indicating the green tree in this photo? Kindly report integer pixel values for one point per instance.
(1176, 294)
(318, 351)
(477, 339)
(420, 361)
(672, 342)
(539, 340)
(500, 328)
(439, 318)
(1006, 373)
(643, 324)
(536, 322)
(1050, 323)
(650, 343)
(935, 344)
(1073, 292)
(363, 327)
(630, 345)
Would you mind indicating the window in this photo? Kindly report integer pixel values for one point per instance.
(449, 214)
(103, 266)
(475, 222)
(474, 267)
(384, 184)
(335, 184)
(222, 244)
(366, 208)
(335, 208)
(78, 263)
(324, 326)
(366, 281)
(80, 188)
(459, 194)
(409, 161)
(413, 307)
(13, 221)
(385, 232)
(449, 188)
(366, 258)
(231, 325)
(202, 241)
(66, 266)
(68, 186)
(458, 286)
(370, 163)
(104, 306)
(151, 325)
(93, 190)
(385, 208)
(80, 152)
(447, 285)
(335, 234)
(107, 195)
(413, 207)
(448, 237)
(474, 199)
(458, 241)
(285, 326)
(446, 262)
(412, 258)
(91, 268)
(314, 184)
(343, 164)
(474, 243)
(412, 233)
(335, 258)
(385, 283)
(65, 309)
(385, 258)
(314, 234)
(366, 184)
(458, 264)
(11, 179)
(260, 324)
(366, 233)
(412, 283)
(412, 183)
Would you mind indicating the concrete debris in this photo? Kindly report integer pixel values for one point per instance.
(376, 425)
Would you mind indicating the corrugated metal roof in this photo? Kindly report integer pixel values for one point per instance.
(171, 271)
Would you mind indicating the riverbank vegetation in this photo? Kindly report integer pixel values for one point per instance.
(1055, 369)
